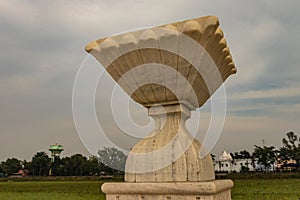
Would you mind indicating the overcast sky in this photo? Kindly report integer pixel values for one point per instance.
(43, 47)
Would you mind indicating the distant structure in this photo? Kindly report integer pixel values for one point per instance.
(55, 150)
(226, 163)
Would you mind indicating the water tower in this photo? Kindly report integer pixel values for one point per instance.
(55, 150)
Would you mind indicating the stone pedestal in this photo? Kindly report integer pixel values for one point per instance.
(171, 70)
(175, 172)
(209, 190)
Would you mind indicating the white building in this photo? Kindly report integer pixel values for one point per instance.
(225, 163)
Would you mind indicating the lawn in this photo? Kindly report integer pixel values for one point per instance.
(255, 189)
(275, 189)
(44, 190)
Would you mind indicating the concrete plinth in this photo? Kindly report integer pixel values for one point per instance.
(209, 190)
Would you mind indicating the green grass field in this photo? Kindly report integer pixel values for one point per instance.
(43, 190)
(275, 189)
(278, 189)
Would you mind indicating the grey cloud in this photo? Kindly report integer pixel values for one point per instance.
(43, 46)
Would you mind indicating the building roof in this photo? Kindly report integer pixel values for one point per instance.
(225, 157)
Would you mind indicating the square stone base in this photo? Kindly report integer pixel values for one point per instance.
(209, 190)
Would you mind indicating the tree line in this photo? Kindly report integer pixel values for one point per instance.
(266, 156)
(76, 165)
(112, 161)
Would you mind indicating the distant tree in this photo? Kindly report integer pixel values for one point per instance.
(26, 165)
(113, 158)
(57, 166)
(290, 148)
(76, 165)
(213, 157)
(94, 166)
(67, 166)
(245, 154)
(40, 164)
(11, 165)
(265, 156)
(236, 155)
(80, 164)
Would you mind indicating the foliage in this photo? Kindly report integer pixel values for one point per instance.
(11, 165)
(76, 165)
(245, 154)
(40, 164)
(213, 157)
(26, 165)
(94, 167)
(241, 155)
(113, 158)
(112, 161)
(57, 166)
(265, 156)
(291, 148)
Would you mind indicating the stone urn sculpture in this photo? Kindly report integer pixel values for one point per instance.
(171, 70)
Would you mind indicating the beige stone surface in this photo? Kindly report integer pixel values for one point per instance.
(210, 190)
(171, 70)
(167, 45)
(170, 153)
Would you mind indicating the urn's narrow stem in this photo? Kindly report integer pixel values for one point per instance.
(169, 153)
